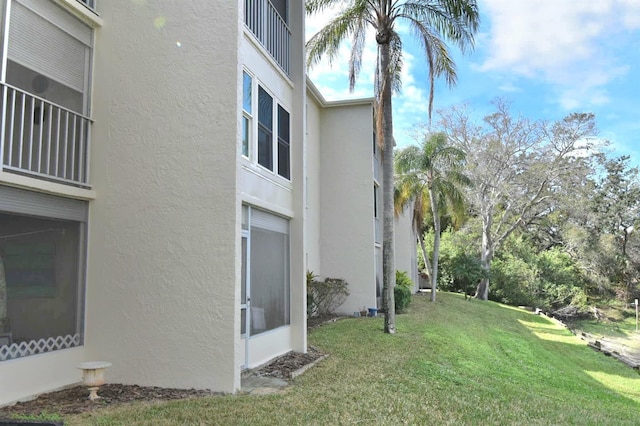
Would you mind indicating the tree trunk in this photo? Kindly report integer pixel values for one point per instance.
(436, 245)
(425, 257)
(482, 292)
(384, 128)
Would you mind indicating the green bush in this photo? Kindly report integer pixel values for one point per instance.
(460, 272)
(402, 291)
(403, 280)
(402, 297)
(324, 297)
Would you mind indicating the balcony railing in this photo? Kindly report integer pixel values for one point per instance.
(270, 29)
(42, 139)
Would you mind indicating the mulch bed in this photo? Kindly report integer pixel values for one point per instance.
(284, 366)
(75, 400)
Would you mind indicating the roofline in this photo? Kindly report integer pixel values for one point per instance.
(313, 89)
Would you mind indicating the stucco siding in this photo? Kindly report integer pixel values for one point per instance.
(313, 183)
(162, 300)
(346, 201)
(26, 377)
(406, 246)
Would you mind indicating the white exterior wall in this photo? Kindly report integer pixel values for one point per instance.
(23, 378)
(162, 287)
(267, 190)
(313, 183)
(406, 246)
(346, 200)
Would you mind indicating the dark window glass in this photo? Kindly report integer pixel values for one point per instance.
(265, 129)
(284, 134)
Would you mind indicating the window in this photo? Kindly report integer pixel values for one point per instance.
(247, 85)
(284, 168)
(42, 251)
(377, 225)
(89, 3)
(265, 129)
(375, 201)
(265, 260)
(49, 54)
(269, 143)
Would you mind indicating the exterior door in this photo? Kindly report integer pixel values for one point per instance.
(245, 299)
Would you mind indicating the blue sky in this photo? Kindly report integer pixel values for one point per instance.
(548, 57)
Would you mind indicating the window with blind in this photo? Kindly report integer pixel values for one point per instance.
(49, 53)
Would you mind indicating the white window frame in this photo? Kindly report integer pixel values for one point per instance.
(253, 119)
(248, 116)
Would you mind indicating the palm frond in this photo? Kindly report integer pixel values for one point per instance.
(328, 40)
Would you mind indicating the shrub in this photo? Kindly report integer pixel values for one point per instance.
(402, 297)
(460, 272)
(402, 291)
(324, 297)
(403, 280)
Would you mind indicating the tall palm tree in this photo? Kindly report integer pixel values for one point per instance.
(433, 22)
(431, 175)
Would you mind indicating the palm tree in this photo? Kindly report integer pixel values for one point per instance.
(432, 21)
(431, 176)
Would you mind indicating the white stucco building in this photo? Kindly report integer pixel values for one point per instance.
(168, 176)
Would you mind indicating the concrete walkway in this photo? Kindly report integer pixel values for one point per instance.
(262, 385)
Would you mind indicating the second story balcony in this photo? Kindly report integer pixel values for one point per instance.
(45, 92)
(268, 21)
(42, 139)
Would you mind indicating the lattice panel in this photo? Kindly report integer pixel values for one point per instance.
(32, 347)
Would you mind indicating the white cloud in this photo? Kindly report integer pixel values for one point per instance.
(565, 43)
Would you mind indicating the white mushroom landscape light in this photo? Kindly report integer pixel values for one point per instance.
(93, 376)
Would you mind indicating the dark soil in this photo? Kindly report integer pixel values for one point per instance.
(283, 367)
(75, 400)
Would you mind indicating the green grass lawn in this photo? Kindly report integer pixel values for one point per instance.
(453, 362)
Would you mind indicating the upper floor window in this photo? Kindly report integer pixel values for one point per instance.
(284, 134)
(90, 3)
(247, 86)
(265, 129)
(272, 130)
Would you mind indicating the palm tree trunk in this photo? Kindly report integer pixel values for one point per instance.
(384, 127)
(436, 245)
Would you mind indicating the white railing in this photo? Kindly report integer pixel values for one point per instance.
(42, 139)
(270, 29)
(33, 347)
